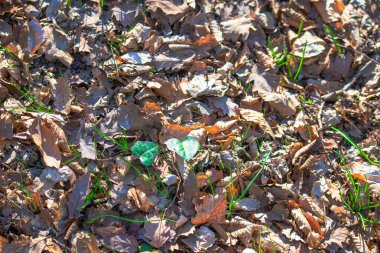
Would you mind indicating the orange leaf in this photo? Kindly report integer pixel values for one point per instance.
(220, 126)
(212, 209)
(151, 107)
(313, 223)
(208, 39)
(339, 5)
(293, 204)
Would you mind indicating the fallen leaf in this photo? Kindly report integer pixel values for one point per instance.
(282, 103)
(116, 239)
(237, 28)
(50, 140)
(257, 118)
(201, 86)
(157, 233)
(201, 240)
(136, 58)
(315, 45)
(62, 95)
(6, 126)
(212, 209)
(220, 126)
(140, 198)
(36, 36)
(78, 195)
(168, 7)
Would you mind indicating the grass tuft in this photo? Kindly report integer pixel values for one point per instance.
(358, 197)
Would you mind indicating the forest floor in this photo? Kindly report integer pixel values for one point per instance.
(189, 126)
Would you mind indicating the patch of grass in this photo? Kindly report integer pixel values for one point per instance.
(33, 105)
(356, 146)
(68, 3)
(78, 155)
(98, 191)
(26, 191)
(335, 40)
(258, 246)
(284, 60)
(358, 197)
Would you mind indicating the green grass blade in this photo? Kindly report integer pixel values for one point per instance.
(300, 27)
(254, 178)
(301, 63)
(356, 146)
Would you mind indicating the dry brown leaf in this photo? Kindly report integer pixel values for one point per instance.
(169, 131)
(282, 103)
(62, 95)
(36, 36)
(313, 223)
(140, 199)
(308, 204)
(6, 126)
(257, 118)
(157, 233)
(50, 140)
(78, 195)
(315, 45)
(212, 209)
(220, 126)
(301, 221)
(117, 239)
(338, 237)
(168, 7)
(234, 28)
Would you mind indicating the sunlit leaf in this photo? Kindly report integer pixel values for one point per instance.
(146, 150)
(187, 148)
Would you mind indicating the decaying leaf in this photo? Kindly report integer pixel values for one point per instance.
(314, 45)
(257, 118)
(203, 239)
(117, 239)
(282, 103)
(212, 209)
(157, 233)
(50, 140)
(237, 28)
(200, 86)
(78, 195)
(62, 94)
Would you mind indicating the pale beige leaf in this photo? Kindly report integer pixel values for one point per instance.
(257, 118)
(315, 45)
(279, 102)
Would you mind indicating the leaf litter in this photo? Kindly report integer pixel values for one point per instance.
(189, 126)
